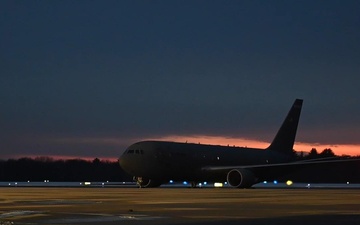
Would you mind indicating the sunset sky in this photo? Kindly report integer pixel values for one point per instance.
(86, 79)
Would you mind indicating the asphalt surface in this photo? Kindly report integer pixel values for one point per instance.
(178, 206)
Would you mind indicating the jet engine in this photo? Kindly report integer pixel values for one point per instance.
(241, 178)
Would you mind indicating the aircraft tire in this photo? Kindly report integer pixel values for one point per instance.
(148, 183)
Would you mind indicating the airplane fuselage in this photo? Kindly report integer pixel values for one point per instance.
(166, 161)
(153, 163)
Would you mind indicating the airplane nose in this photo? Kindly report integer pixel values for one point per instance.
(122, 160)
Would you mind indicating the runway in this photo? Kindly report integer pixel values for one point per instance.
(178, 206)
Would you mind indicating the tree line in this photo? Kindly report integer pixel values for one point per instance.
(46, 168)
(336, 172)
(313, 154)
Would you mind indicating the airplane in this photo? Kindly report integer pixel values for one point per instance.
(153, 163)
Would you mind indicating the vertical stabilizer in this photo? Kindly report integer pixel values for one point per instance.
(285, 138)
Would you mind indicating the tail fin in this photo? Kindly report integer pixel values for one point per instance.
(285, 138)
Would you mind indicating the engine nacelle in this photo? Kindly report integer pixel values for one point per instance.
(241, 178)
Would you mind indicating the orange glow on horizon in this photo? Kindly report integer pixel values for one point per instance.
(65, 157)
(340, 149)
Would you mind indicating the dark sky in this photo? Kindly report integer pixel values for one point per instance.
(88, 78)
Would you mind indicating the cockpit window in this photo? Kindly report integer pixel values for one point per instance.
(136, 151)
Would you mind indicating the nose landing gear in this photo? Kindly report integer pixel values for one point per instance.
(193, 184)
(146, 182)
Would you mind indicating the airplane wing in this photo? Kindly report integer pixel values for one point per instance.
(281, 165)
(273, 171)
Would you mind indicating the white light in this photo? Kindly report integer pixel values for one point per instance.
(205, 183)
(185, 183)
(171, 181)
(275, 182)
(265, 182)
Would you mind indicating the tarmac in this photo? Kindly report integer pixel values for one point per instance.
(77, 206)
